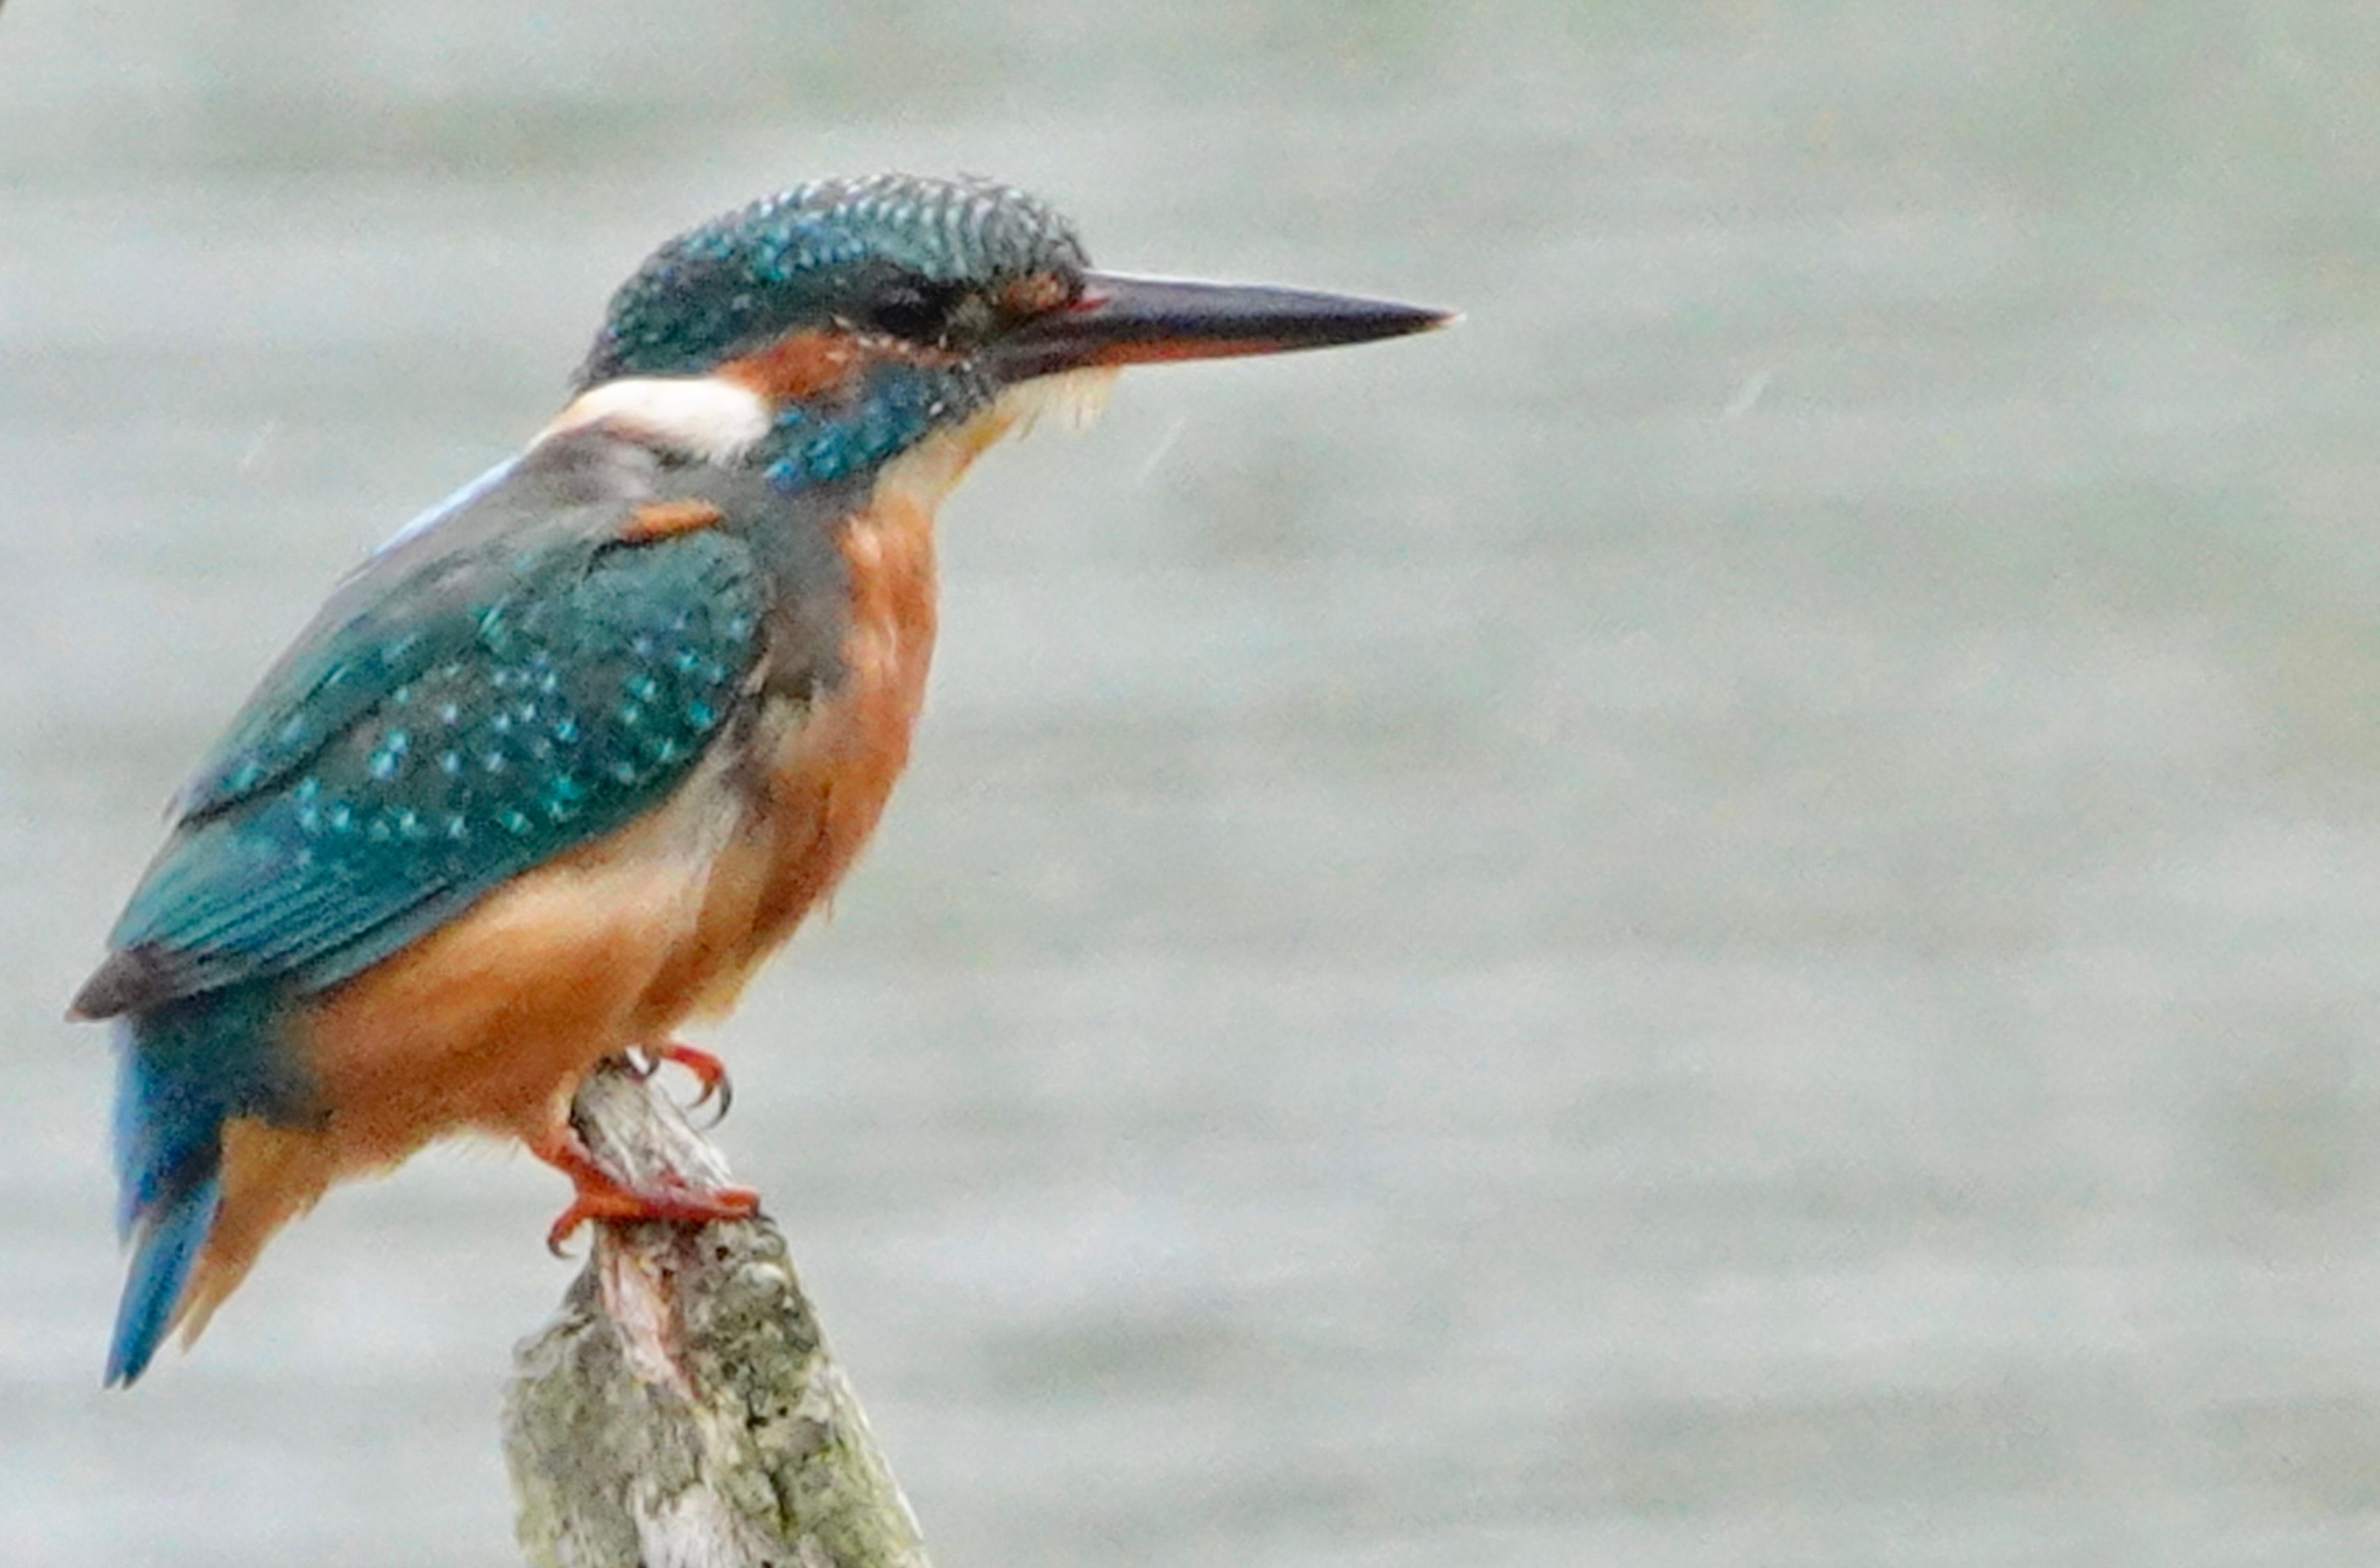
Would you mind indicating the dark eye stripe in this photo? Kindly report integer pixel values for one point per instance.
(918, 312)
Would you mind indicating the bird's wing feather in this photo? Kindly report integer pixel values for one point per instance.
(520, 681)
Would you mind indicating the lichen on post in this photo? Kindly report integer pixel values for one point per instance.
(681, 1410)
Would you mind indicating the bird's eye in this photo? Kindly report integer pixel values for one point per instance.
(919, 313)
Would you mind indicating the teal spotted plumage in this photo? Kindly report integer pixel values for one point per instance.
(685, 632)
(455, 717)
(855, 249)
(804, 448)
(567, 697)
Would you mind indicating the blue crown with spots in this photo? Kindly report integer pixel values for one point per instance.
(816, 254)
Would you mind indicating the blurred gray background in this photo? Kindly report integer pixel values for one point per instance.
(1730, 917)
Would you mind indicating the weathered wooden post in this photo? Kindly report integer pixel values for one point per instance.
(681, 1410)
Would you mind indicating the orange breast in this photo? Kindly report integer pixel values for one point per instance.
(830, 769)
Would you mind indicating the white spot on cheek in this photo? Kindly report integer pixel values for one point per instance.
(702, 417)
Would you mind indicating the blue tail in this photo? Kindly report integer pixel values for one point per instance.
(170, 1238)
(183, 1069)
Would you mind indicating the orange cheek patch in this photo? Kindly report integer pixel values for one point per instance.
(797, 366)
(664, 518)
(804, 365)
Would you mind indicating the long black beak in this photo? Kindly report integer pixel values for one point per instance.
(1133, 321)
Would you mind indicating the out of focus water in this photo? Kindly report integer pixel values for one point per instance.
(1731, 917)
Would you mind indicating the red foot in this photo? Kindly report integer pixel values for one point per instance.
(708, 1070)
(599, 1196)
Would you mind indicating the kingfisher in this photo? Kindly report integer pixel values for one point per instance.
(552, 771)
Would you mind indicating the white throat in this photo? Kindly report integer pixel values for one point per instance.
(926, 473)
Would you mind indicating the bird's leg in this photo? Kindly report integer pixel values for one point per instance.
(709, 1073)
(601, 1195)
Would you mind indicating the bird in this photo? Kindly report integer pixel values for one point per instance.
(551, 772)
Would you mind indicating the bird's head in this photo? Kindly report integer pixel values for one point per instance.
(826, 331)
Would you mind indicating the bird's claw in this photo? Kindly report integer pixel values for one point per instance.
(670, 1204)
(710, 1074)
(596, 1194)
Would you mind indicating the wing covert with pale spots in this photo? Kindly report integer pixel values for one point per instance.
(525, 678)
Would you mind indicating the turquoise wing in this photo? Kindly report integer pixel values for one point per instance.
(452, 719)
